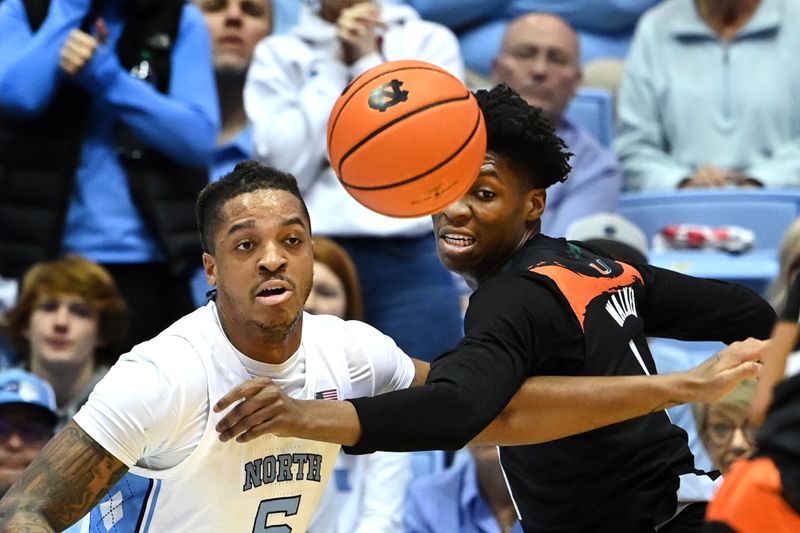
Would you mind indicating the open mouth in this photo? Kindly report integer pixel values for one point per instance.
(277, 291)
(273, 295)
(458, 241)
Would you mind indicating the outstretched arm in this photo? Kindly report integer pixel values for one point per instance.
(545, 408)
(552, 407)
(67, 479)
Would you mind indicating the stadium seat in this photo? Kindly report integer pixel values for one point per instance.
(768, 213)
(593, 109)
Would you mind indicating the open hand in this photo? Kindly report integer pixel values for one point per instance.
(264, 408)
(717, 376)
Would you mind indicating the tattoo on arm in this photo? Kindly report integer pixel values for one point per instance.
(68, 477)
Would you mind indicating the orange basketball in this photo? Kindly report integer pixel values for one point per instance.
(406, 138)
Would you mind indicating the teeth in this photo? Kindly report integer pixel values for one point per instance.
(458, 240)
(269, 292)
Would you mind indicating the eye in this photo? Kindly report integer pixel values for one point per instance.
(557, 57)
(253, 9)
(211, 6)
(48, 305)
(244, 245)
(293, 240)
(484, 194)
(82, 310)
(722, 430)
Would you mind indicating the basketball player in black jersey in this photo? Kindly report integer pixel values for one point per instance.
(547, 307)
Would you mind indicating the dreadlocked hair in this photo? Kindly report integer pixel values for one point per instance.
(520, 131)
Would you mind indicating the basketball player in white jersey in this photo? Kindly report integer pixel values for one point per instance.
(151, 416)
(154, 418)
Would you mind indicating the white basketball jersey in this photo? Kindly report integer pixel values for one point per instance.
(270, 484)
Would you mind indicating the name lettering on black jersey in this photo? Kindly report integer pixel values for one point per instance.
(621, 305)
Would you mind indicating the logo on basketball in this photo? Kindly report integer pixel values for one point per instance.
(387, 95)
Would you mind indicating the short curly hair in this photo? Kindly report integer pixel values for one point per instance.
(246, 177)
(520, 131)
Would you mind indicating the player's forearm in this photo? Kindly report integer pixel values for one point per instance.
(67, 478)
(24, 522)
(553, 407)
(330, 421)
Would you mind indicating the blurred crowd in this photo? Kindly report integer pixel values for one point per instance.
(114, 114)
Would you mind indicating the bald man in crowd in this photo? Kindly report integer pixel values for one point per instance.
(540, 60)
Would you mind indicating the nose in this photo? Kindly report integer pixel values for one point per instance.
(273, 258)
(61, 317)
(14, 441)
(233, 14)
(459, 210)
(539, 66)
(739, 441)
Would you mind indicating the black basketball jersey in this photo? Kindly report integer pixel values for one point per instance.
(622, 477)
(558, 309)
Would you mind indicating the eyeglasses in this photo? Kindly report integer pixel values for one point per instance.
(721, 433)
(30, 432)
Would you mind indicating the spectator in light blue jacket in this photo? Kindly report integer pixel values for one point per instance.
(709, 97)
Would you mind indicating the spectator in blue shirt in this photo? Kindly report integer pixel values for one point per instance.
(540, 60)
(108, 117)
(235, 28)
(470, 497)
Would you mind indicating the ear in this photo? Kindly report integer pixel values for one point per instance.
(535, 201)
(210, 269)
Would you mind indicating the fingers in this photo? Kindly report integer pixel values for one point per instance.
(77, 51)
(747, 370)
(358, 26)
(709, 176)
(261, 403)
(242, 392)
(247, 423)
(747, 350)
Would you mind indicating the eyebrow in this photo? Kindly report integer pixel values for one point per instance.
(251, 223)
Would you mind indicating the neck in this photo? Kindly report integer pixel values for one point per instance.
(473, 280)
(261, 343)
(230, 86)
(67, 379)
(726, 17)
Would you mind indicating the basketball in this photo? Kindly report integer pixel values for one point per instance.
(406, 138)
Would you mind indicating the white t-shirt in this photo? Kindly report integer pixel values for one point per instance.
(152, 412)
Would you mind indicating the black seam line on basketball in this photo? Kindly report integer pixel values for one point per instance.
(389, 125)
(353, 93)
(420, 176)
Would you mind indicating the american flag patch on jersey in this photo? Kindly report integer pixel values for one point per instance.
(327, 394)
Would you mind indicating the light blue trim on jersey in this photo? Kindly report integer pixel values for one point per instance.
(127, 507)
(152, 506)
